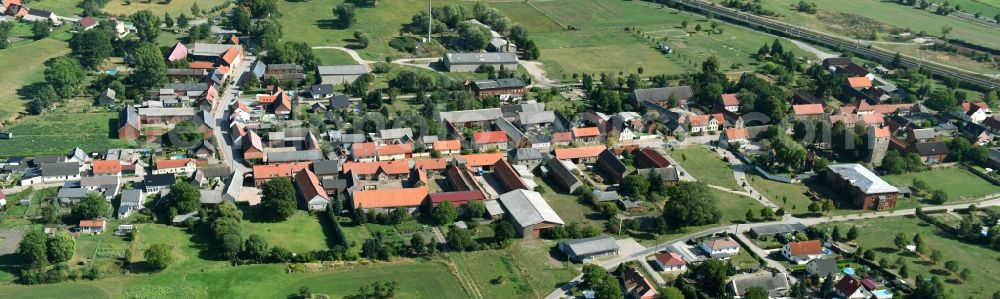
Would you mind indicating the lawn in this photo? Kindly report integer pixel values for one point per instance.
(797, 200)
(568, 206)
(416, 280)
(23, 64)
(56, 133)
(62, 8)
(173, 7)
(333, 57)
(890, 13)
(300, 233)
(877, 234)
(960, 184)
(734, 207)
(706, 166)
(542, 265)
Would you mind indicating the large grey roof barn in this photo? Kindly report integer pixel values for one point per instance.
(528, 208)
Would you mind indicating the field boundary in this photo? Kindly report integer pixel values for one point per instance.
(546, 15)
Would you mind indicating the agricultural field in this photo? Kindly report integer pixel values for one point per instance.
(603, 35)
(877, 234)
(706, 166)
(960, 184)
(55, 133)
(530, 269)
(23, 64)
(886, 12)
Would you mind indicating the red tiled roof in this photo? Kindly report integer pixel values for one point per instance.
(395, 149)
(93, 223)
(808, 109)
(658, 159)
(447, 145)
(810, 247)
(370, 168)
(230, 56)
(859, 82)
(873, 119)
(579, 152)
(736, 133)
(882, 132)
(364, 149)
(670, 259)
(201, 65)
(88, 22)
(730, 99)
(176, 163)
(562, 136)
(479, 160)
(107, 167)
(848, 285)
(389, 198)
(309, 185)
(586, 132)
(489, 137)
(278, 170)
(457, 198)
(431, 164)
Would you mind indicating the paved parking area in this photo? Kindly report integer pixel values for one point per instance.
(629, 246)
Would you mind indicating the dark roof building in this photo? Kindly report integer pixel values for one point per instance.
(555, 169)
(582, 250)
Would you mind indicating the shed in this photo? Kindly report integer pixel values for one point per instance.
(583, 250)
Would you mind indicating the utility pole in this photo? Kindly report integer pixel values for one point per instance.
(430, 18)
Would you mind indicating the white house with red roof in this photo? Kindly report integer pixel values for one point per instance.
(670, 261)
(730, 102)
(705, 123)
(801, 252)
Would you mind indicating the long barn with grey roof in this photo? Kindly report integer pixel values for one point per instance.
(529, 212)
(583, 250)
(867, 190)
(340, 74)
(469, 62)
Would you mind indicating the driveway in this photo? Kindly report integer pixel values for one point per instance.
(629, 246)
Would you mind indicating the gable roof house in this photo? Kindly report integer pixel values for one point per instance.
(52, 172)
(801, 252)
(558, 170)
(156, 182)
(670, 261)
(866, 190)
(131, 201)
(823, 268)
(86, 23)
(611, 168)
(382, 200)
(447, 147)
(340, 74)
(808, 111)
(106, 167)
(129, 124)
(253, 147)
(587, 154)
(776, 285)
(720, 247)
(470, 62)
(730, 102)
(586, 249)
(661, 96)
(311, 191)
(529, 212)
(264, 173)
(851, 287)
(37, 15)
(175, 166)
(636, 286)
(492, 140)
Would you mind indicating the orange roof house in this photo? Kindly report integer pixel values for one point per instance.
(369, 168)
(395, 149)
(803, 248)
(586, 132)
(730, 99)
(230, 56)
(489, 137)
(312, 192)
(736, 134)
(102, 167)
(270, 171)
(480, 160)
(253, 147)
(447, 145)
(389, 198)
(562, 136)
(431, 164)
(579, 152)
(859, 82)
(808, 109)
